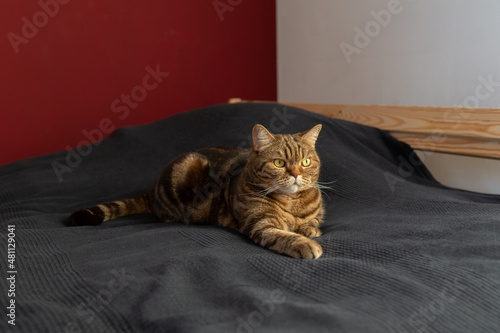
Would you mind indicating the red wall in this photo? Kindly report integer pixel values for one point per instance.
(67, 65)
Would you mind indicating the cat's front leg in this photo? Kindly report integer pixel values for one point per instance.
(266, 234)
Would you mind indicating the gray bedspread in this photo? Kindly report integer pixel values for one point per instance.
(402, 253)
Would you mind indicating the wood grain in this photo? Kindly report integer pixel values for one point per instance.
(452, 145)
(464, 131)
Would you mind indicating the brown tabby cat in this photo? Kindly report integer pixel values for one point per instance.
(269, 192)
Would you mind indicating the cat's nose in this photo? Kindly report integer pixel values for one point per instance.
(294, 171)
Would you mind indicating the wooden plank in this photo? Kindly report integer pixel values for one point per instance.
(464, 131)
(469, 122)
(451, 145)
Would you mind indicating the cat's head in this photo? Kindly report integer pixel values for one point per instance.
(284, 163)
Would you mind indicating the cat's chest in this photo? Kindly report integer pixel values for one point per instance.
(293, 209)
(290, 206)
(297, 210)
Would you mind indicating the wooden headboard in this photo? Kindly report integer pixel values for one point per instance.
(463, 131)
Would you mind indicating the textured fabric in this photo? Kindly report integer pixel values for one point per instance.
(402, 253)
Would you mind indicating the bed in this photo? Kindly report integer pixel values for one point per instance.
(402, 252)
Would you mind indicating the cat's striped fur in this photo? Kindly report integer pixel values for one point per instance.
(268, 193)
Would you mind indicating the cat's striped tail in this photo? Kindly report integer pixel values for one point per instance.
(111, 210)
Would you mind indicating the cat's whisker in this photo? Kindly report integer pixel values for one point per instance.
(323, 188)
(327, 183)
(264, 192)
(271, 189)
(258, 185)
(264, 186)
(324, 192)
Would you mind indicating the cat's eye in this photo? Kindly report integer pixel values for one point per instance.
(279, 163)
(306, 162)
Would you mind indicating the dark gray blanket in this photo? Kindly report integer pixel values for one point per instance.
(402, 253)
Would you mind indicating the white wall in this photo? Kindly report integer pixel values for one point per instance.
(409, 52)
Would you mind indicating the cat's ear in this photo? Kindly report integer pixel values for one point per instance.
(311, 135)
(261, 138)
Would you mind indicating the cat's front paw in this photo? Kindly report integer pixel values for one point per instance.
(309, 231)
(304, 248)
